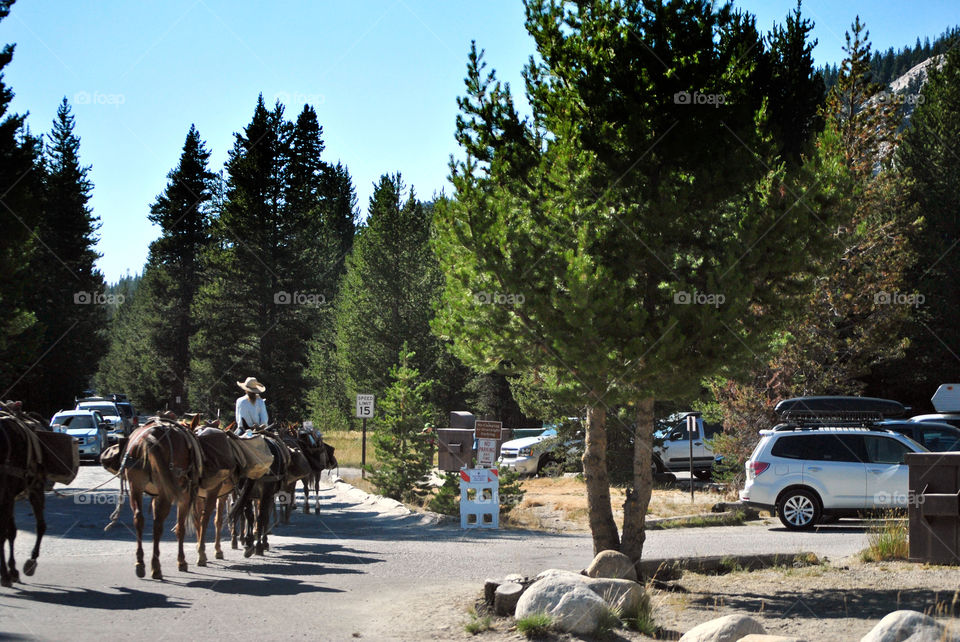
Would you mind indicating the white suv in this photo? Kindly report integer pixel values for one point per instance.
(828, 462)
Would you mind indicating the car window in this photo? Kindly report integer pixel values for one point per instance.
(819, 447)
(106, 409)
(940, 439)
(712, 430)
(885, 450)
(81, 422)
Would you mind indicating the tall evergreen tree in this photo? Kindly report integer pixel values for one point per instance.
(265, 285)
(162, 312)
(67, 291)
(615, 215)
(20, 188)
(796, 88)
(387, 295)
(929, 156)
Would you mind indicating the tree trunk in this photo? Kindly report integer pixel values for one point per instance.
(638, 496)
(602, 526)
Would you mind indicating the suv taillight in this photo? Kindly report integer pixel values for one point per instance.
(754, 468)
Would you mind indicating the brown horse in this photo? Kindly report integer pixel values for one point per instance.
(263, 490)
(223, 468)
(21, 471)
(165, 460)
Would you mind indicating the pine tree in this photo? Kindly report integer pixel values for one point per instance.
(796, 88)
(402, 444)
(20, 191)
(387, 295)
(68, 291)
(613, 211)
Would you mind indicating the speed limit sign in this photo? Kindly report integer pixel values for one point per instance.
(364, 406)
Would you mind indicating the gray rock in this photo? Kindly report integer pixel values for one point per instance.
(570, 604)
(729, 628)
(910, 626)
(622, 594)
(505, 598)
(612, 564)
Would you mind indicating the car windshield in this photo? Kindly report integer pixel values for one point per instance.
(106, 409)
(82, 422)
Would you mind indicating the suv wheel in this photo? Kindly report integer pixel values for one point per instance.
(798, 509)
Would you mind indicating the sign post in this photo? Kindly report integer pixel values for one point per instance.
(691, 432)
(364, 411)
(487, 434)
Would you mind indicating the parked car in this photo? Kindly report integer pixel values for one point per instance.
(88, 427)
(936, 437)
(831, 457)
(946, 401)
(121, 422)
(673, 455)
(528, 455)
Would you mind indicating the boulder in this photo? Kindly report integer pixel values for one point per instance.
(901, 626)
(571, 606)
(505, 598)
(612, 564)
(729, 628)
(625, 595)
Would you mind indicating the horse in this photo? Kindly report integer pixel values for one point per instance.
(263, 489)
(298, 469)
(223, 469)
(320, 457)
(165, 460)
(21, 471)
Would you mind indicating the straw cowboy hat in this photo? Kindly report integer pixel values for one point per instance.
(252, 385)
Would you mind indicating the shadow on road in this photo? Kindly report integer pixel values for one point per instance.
(125, 599)
(260, 587)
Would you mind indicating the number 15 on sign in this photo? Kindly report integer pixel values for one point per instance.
(364, 406)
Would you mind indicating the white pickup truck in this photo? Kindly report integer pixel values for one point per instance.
(674, 454)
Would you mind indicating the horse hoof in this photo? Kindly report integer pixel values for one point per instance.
(247, 552)
(219, 555)
(30, 566)
(266, 547)
(15, 575)
(157, 575)
(5, 582)
(259, 550)
(182, 567)
(199, 563)
(141, 571)
(234, 545)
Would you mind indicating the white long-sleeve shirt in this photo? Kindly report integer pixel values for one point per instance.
(254, 413)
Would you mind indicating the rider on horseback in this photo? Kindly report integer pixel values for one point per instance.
(251, 408)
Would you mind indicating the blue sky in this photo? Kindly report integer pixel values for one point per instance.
(383, 76)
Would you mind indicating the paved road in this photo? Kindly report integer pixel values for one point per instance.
(361, 569)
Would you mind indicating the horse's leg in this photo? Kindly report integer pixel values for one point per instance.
(161, 508)
(248, 534)
(184, 509)
(11, 536)
(208, 504)
(136, 504)
(218, 522)
(306, 494)
(6, 521)
(316, 483)
(37, 501)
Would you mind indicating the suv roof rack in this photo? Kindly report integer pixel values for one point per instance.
(837, 411)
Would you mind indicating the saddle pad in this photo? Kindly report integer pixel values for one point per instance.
(257, 456)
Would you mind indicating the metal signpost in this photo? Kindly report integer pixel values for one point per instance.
(691, 432)
(364, 411)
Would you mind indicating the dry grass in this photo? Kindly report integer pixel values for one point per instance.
(562, 503)
(348, 445)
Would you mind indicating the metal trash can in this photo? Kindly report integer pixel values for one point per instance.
(454, 449)
(934, 507)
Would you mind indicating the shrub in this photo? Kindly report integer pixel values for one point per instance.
(887, 540)
(535, 625)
